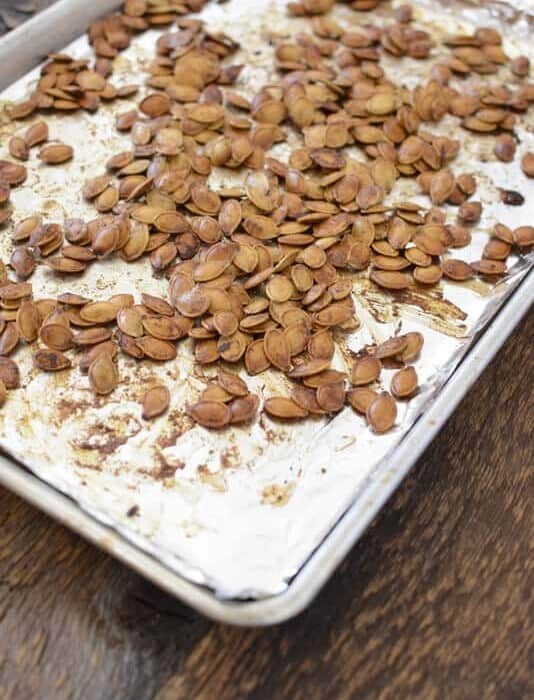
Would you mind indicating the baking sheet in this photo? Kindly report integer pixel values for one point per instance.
(239, 510)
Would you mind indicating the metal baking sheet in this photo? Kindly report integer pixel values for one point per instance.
(264, 512)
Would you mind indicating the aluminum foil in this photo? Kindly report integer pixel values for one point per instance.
(240, 510)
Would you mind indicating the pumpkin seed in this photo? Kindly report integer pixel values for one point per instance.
(382, 413)
(56, 336)
(103, 376)
(232, 383)
(9, 373)
(284, 407)
(155, 402)
(365, 371)
(210, 414)
(28, 321)
(277, 349)
(56, 153)
(51, 360)
(331, 397)
(404, 383)
(156, 349)
(244, 409)
(36, 133)
(527, 164)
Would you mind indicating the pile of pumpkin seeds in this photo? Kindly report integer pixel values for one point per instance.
(260, 275)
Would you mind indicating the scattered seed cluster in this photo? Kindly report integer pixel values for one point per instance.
(261, 273)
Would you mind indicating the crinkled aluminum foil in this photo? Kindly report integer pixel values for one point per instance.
(239, 510)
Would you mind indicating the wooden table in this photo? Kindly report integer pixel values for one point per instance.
(433, 602)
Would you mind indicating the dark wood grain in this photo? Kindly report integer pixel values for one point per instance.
(433, 602)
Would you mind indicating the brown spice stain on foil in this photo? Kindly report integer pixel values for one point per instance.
(106, 437)
(277, 494)
(230, 458)
(214, 479)
(440, 314)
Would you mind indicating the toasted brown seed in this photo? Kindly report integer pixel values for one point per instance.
(503, 233)
(489, 267)
(28, 321)
(331, 397)
(284, 407)
(496, 249)
(23, 262)
(210, 414)
(156, 105)
(103, 376)
(505, 147)
(9, 338)
(427, 275)
(232, 383)
(307, 399)
(361, 399)
(36, 133)
(156, 349)
(12, 173)
(334, 314)
(520, 66)
(244, 409)
(413, 347)
(56, 153)
(155, 402)
(192, 303)
(524, 236)
(441, 186)
(18, 148)
(9, 373)
(365, 371)
(157, 304)
(214, 392)
(309, 368)
(92, 336)
(65, 265)
(3, 393)
(96, 186)
(470, 211)
(5, 191)
(297, 337)
(391, 347)
(390, 280)
(321, 345)
(404, 383)
(99, 312)
(417, 257)
(166, 328)
(277, 349)
(51, 360)
(527, 164)
(56, 336)
(230, 216)
(256, 360)
(225, 322)
(382, 413)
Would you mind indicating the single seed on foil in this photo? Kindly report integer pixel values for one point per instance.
(155, 402)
